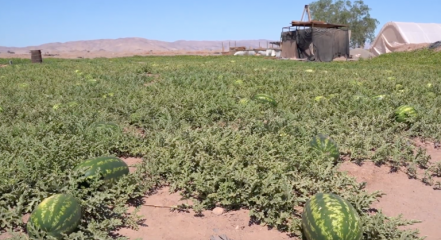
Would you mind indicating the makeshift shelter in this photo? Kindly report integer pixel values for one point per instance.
(315, 40)
(397, 34)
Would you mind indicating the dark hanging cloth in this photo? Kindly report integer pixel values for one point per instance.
(328, 43)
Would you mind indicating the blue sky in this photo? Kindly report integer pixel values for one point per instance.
(30, 22)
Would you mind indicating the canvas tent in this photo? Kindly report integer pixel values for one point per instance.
(397, 34)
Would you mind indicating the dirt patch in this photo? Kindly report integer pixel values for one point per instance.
(2, 65)
(162, 223)
(132, 162)
(409, 197)
(411, 47)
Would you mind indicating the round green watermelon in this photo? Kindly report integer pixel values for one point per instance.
(328, 216)
(111, 168)
(265, 98)
(405, 113)
(55, 215)
(324, 145)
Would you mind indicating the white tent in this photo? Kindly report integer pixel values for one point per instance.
(396, 34)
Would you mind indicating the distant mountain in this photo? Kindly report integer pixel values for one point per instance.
(135, 45)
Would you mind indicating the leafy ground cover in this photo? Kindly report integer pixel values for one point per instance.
(194, 121)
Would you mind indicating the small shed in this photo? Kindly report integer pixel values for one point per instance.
(315, 41)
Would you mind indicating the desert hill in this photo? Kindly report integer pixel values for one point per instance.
(134, 45)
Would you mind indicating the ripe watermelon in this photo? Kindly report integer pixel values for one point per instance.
(55, 215)
(111, 168)
(405, 113)
(264, 98)
(324, 145)
(329, 217)
(319, 98)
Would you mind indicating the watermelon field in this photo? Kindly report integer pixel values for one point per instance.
(232, 131)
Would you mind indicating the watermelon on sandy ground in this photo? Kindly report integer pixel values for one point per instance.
(56, 215)
(327, 216)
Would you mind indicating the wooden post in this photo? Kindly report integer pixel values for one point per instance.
(303, 13)
(222, 46)
(309, 14)
(306, 9)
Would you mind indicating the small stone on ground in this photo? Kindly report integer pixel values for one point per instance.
(218, 211)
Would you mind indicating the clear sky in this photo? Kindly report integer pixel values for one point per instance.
(31, 22)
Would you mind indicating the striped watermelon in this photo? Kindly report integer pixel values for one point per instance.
(111, 168)
(264, 98)
(329, 217)
(55, 215)
(324, 145)
(405, 113)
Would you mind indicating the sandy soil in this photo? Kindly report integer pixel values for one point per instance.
(71, 55)
(162, 223)
(404, 196)
(411, 47)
